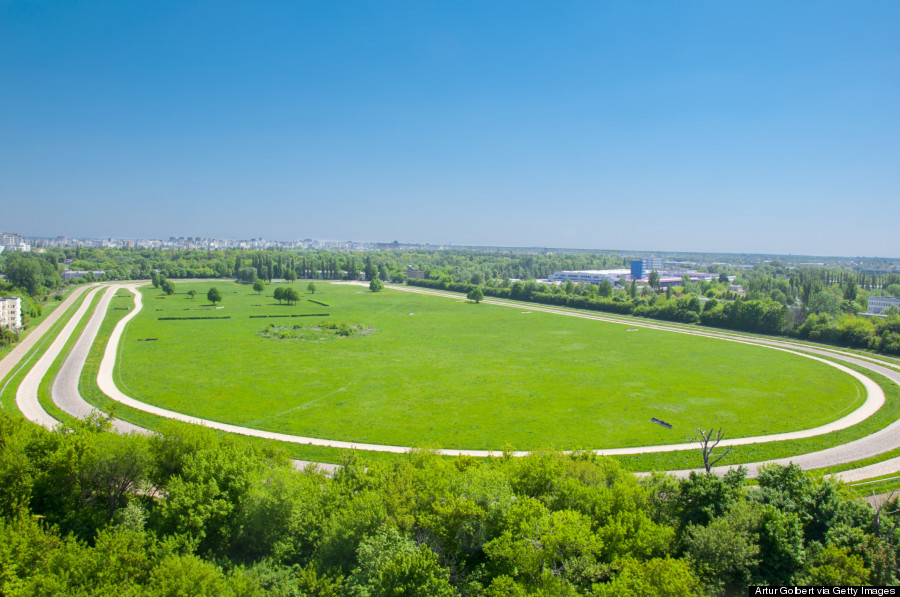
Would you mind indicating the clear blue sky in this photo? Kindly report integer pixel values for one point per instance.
(679, 126)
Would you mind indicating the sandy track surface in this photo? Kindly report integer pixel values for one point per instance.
(65, 392)
(27, 393)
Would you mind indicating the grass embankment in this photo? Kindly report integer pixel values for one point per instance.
(878, 485)
(458, 375)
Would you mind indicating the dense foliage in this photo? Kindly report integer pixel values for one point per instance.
(186, 512)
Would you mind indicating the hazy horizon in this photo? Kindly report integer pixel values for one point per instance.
(758, 128)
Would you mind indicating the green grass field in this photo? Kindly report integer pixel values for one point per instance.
(459, 375)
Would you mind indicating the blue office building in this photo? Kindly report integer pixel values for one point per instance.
(637, 269)
(641, 268)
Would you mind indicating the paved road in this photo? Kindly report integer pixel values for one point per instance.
(887, 439)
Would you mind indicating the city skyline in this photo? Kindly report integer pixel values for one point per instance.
(739, 128)
(166, 242)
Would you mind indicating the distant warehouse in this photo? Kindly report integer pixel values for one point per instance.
(880, 304)
(589, 276)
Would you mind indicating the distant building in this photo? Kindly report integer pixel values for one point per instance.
(414, 273)
(72, 274)
(879, 304)
(14, 242)
(10, 312)
(641, 268)
(589, 276)
(637, 269)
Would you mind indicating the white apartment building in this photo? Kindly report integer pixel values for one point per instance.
(879, 304)
(14, 242)
(10, 312)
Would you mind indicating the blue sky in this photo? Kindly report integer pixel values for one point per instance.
(681, 126)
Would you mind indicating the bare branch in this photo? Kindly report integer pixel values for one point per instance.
(708, 443)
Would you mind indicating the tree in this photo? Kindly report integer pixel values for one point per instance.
(653, 578)
(725, 552)
(311, 287)
(213, 296)
(9, 337)
(570, 288)
(192, 293)
(168, 287)
(247, 275)
(290, 295)
(188, 575)
(290, 275)
(834, 566)
(654, 280)
(279, 294)
(632, 290)
(723, 278)
(824, 302)
(476, 295)
(390, 564)
(376, 285)
(371, 270)
(32, 272)
(606, 288)
(708, 445)
(259, 285)
(154, 279)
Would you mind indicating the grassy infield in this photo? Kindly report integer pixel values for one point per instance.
(526, 381)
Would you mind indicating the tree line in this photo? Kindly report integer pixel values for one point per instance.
(817, 303)
(809, 311)
(185, 511)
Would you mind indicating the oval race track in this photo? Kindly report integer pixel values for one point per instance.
(65, 391)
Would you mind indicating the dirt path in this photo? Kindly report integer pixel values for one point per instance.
(65, 392)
